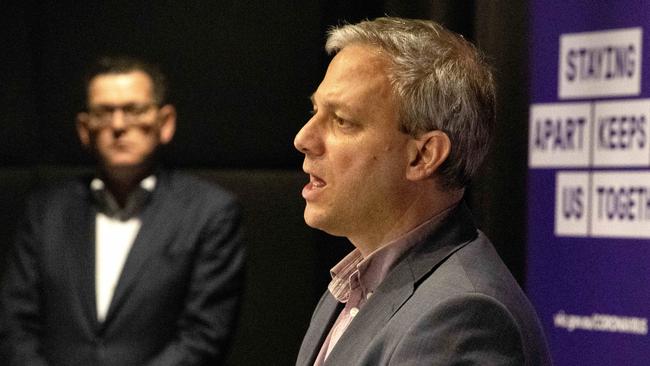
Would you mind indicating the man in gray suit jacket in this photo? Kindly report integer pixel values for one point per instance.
(401, 122)
(134, 265)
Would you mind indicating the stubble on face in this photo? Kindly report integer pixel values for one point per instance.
(354, 151)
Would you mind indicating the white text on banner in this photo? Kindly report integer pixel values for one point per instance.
(621, 136)
(620, 204)
(559, 135)
(571, 203)
(602, 63)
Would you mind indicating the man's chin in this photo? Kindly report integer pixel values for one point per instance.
(312, 220)
(123, 166)
(321, 222)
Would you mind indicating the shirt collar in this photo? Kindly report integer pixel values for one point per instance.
(342, 276)
(354, 272)
(135, 201)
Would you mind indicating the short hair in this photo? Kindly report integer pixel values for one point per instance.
(441, 81)
(126, 64)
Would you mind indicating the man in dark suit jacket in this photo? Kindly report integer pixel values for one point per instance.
(401, 122)
(135, 265)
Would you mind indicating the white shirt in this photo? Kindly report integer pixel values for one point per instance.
(115, 232)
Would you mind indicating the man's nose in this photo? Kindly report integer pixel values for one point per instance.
(308, 140)
(118, 121)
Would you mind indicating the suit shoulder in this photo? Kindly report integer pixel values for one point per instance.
(46, 201)
(60, 190)
(476, 268)
(195, 188)
(474, 282)
(486, 277)
(482, 266)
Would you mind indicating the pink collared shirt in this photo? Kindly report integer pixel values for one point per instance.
(354, 278)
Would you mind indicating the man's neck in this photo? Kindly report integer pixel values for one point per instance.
(120, 182)
(422, 208)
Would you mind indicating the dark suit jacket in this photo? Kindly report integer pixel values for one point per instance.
(450, 301)
(176, 300)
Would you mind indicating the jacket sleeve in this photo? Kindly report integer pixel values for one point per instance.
(211, 309)
(20, 296)
(470, 329)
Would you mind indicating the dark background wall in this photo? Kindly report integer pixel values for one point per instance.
(240, 74)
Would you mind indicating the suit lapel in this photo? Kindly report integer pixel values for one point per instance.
(324, 317)
(156, 226)
(396, 289)
(400, 284)
(455, 232)
(79, 237)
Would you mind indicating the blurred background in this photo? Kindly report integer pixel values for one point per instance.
(240, 74)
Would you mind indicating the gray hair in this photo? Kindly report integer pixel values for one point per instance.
(441, 81)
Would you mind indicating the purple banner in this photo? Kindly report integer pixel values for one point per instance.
(588, 272)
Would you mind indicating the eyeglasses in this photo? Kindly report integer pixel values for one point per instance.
(132, 114)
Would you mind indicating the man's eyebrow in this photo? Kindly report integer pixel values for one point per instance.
(312, 98)
(330, 104)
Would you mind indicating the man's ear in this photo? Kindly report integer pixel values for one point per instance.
(427, 152)
(82, 128)
(168, 123)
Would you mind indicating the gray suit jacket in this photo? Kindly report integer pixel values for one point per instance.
(175, 303)
(450, 301)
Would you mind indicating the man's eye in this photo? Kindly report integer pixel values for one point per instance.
(130, 109)
(135, 109)
(101, 112)
(340, 121)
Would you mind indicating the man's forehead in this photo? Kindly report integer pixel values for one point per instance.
(135, 73)
(330, 101)
(355, 69)
(118, 87)
(361, 59)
